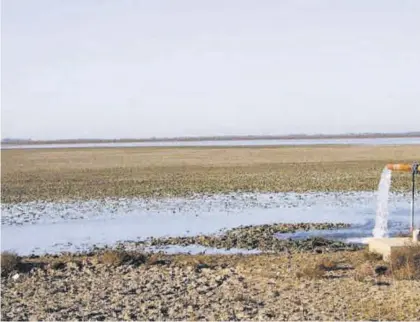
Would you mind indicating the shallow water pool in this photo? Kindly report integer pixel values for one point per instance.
(39, 227)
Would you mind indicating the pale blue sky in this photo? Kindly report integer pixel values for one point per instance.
(132, 68)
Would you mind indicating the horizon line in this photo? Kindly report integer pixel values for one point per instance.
(219, 137)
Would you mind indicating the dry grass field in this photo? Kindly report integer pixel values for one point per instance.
(52, 174)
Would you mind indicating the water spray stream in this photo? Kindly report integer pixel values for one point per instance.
(381, 224)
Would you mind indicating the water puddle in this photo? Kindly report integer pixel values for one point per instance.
(39, 227)
(357, 233)
(222, 143)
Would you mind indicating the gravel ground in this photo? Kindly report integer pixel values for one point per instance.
(180, 287)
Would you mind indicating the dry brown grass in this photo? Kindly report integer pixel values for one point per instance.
(317, 269)
(371, 256)
(405, 263)
(120, 257)
(364, 271)
(392, 308)
(343, 293)
(312, 271)
(114, 172)
(114, 258)
(327, 264)
(9, 262)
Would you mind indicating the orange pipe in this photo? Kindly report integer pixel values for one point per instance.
(399, 167)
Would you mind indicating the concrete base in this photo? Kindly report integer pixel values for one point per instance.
(385, 246)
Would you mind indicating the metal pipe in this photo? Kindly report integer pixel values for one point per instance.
(412, 201)
(400, 167)
(414, 171)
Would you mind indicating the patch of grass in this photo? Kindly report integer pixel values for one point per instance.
(327, 264)
(371, 256)
(364, 271)
(120, 257)
(405, 263)
(312, 271)
(205, 261)
(318, 268)
(9, 262)
(392, 309)
(158, 259)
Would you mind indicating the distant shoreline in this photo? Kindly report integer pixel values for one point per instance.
(217, 138)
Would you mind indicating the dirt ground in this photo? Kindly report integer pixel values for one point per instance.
(234, 287)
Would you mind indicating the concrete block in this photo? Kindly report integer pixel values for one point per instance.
(416, 235)
(385, 246)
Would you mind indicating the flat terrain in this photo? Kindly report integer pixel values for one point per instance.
(54, 174)
(257, 287)
(282, 283)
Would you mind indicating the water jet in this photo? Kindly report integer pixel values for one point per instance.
(381, 243)
(414, 169)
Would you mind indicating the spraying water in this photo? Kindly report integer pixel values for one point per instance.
(381, 224)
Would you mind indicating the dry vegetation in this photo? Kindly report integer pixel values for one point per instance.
(405, 262)
(214, 287)
(9, 262)
(95, 173)
(119, 257)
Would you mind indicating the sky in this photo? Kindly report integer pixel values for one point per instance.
(136, 69)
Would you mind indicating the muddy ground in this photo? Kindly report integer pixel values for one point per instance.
(179, 287)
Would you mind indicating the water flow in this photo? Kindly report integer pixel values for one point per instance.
(381, 224)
